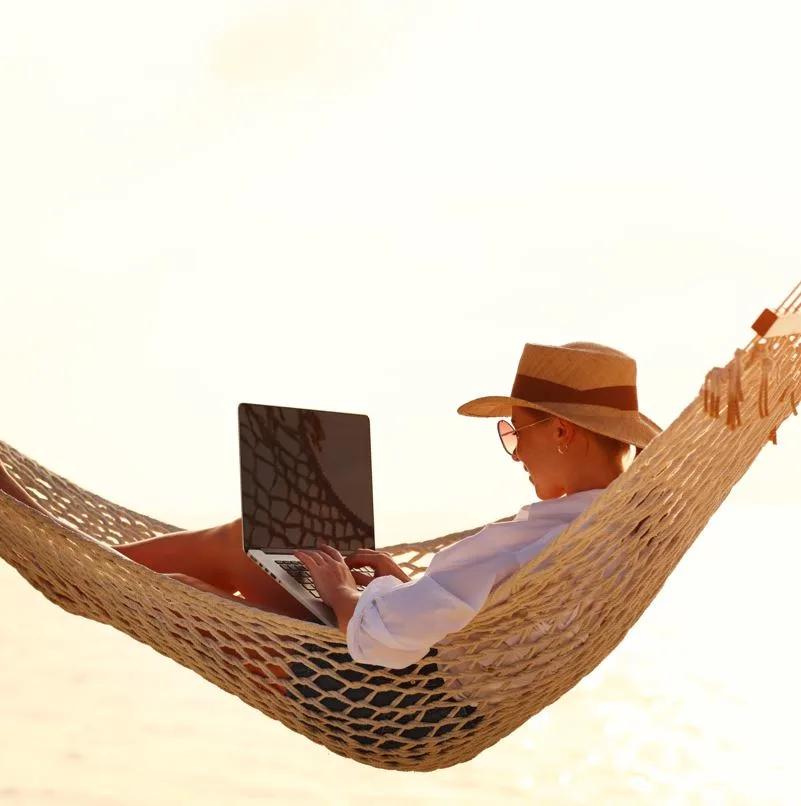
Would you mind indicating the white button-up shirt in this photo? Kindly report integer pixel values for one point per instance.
(395, 623)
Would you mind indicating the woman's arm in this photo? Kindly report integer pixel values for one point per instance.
(393, 622)
(333, 580)
(337, 586)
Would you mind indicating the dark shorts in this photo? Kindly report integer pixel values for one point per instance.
(374, 693)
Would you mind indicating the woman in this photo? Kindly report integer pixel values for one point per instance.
(574, 417)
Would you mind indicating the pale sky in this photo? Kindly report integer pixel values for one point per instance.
(371, 207)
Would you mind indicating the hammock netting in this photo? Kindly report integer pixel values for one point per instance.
(541, 631)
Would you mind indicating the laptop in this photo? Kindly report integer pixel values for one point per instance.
(305, 475)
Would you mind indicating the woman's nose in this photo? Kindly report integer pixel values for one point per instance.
(515, 456)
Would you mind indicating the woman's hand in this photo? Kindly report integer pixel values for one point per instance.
(382, 564)
(333, 580)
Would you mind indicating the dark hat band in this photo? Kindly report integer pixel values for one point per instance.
(537, 390)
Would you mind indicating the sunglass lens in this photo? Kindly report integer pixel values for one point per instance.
(508, 436)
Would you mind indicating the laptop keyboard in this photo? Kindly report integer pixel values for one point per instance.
(298, 571)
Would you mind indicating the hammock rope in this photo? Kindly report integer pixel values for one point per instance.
(541, 631)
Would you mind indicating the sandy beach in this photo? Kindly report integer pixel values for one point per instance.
(699, 705)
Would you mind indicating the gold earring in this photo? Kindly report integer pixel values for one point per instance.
(562, 450)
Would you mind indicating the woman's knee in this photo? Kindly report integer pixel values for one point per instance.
(233, 533)
(224, 541)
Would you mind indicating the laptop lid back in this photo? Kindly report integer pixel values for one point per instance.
(305, 475)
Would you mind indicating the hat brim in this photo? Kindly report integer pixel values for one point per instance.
(627, 426)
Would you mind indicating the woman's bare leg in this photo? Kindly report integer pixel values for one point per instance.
(200, 584)
(204, 554)
(213, 556)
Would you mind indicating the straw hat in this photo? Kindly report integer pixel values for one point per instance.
(587, 384)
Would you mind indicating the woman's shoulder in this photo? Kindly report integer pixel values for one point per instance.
(532, 523)
(567, 507)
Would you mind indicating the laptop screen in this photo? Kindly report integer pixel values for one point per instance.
(305, 475)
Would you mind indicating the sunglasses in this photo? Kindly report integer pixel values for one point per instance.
(508, 433)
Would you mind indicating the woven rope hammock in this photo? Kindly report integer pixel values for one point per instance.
(539, 634)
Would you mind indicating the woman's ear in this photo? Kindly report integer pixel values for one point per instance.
(565, 429)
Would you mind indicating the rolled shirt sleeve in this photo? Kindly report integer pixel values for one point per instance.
(395, 623)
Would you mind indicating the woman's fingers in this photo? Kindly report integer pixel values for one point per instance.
(329, 551)
(361, 578)
(318, 558)
(326, 558)
(379, 562)
(364, 557)
(311, 559)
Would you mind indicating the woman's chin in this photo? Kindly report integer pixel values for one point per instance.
(544, 492)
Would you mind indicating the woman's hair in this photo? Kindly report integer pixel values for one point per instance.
(619, 451)
(613, 447)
